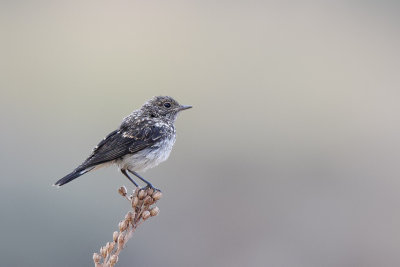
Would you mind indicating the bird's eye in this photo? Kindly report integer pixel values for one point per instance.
(167, 105)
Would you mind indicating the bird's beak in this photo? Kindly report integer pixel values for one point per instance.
(183, 107)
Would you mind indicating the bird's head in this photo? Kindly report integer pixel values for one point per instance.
(163, 107)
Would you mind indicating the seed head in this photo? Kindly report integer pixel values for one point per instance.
(122, 191)
(157, 195)
(129, 216)
(150, 191)
(113, 260)
(96, 257)
(146, 215)
(110, 247)
(121, 240)
(103, 252)
(115, 236)
(141, 194)
(154, 211)
(136, 190)
(135, 201)
(122, 225)
(147, 200)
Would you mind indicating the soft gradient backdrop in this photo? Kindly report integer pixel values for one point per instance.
(290, 156)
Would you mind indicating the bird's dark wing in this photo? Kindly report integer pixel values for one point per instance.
(130, 138)
(126, 140)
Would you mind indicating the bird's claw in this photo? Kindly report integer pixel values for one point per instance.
(151, 187)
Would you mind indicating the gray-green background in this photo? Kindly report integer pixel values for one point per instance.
(290, 156)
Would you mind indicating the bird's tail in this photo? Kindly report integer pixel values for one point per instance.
(73, 175)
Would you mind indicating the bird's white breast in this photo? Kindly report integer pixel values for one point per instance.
(148, 157)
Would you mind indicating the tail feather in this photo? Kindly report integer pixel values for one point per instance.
(73, 175)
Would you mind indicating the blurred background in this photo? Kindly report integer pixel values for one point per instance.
(290, 156)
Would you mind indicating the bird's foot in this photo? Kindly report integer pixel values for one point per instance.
(150, 186)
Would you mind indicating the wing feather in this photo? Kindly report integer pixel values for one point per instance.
(126, 140)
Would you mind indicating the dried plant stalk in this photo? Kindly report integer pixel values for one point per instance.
(141, 201)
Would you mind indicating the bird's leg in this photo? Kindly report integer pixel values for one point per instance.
(127, 176)
(144, 180)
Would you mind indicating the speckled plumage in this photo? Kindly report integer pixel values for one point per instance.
(144, 139)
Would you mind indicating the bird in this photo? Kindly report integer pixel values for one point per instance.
(143, 140)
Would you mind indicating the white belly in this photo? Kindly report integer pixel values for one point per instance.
(147, 158)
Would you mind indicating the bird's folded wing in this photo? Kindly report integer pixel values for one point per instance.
(125, 141)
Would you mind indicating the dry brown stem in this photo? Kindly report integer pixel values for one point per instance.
(141, 201)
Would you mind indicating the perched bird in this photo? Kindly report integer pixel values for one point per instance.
(143, 140)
